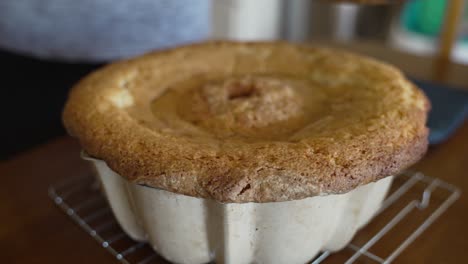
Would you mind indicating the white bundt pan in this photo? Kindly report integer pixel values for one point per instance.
(185, 229)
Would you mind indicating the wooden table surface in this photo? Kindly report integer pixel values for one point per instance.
(34, 230)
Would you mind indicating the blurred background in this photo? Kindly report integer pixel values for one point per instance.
(48, 45)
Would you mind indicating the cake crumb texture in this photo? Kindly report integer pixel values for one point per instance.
(250, 121)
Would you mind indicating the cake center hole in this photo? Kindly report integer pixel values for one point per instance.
(239, 90)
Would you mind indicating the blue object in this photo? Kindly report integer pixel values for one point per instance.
(449, 109)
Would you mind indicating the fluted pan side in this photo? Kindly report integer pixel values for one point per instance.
(186, 229)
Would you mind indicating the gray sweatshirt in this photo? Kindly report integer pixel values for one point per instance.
(99, 30)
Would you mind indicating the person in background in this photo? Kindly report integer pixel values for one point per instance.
(47, 45)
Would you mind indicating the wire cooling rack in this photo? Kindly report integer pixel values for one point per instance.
(415, 201)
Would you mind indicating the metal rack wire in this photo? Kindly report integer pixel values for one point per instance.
(415, 198)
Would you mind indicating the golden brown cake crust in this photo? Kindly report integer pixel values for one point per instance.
(250, 122)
